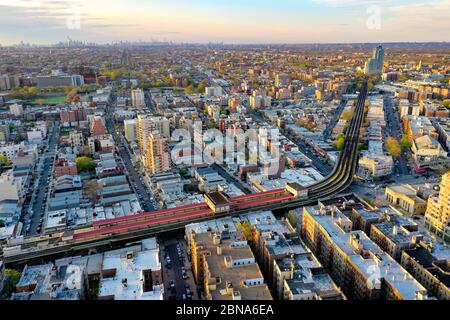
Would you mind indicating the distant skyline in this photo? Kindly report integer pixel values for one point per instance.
(228, 21)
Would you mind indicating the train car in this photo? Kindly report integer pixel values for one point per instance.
(260, 202)
(106, 231)
(148, 216)
(257, 196)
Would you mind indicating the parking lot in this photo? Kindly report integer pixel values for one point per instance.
(178, 278)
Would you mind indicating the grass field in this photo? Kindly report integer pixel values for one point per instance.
(50, 100)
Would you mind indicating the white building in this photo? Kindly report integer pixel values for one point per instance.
(16, 109)
(213, 91)
(132, 273)
(35, 136)
(373, 165)
(130, 129)
(137, 98)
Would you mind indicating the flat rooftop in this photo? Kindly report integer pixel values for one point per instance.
(218, 198)
(352, 242)
(127, 284)
(241, 268)
(426, 259)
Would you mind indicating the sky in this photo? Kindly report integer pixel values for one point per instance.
(228, 21)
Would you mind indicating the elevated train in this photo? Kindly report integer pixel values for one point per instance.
(292, 196)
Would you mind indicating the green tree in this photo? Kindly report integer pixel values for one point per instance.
(13, 275)
(347, 115)
(85, 164)
(12, 278)
(202, 86)
(114, 75)
(393, 147)
(406, 143)
(189, 89)
(246, 229)
(25, 93)
(446, 103)
(293, 219)
(154, 82)
(340, 142)
(4, 161)
(40, 102)
(71, 94)
(183, 172)
(362, 146)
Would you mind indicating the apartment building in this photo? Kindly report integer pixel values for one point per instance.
(158, 157)
(130, 130)
(371, 165)
(303, 278)
(443, 129)
(225, 267)
(418, 126)
(394, 237)
(146, 125)
(355, 262)
(430, 267)
(437, 215)
(138, 98)
(428, 152)
(132, 273)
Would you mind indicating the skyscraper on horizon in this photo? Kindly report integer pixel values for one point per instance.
(374, 66)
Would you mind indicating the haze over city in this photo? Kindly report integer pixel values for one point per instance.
(237, 153)
(229, 21)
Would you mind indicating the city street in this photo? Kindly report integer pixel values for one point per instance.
(394, 129)
(323, 167)
(175, 263)
(40, 193)
(231, 179)
(133, 175)
(334, 120)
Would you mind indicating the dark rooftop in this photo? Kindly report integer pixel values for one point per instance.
(426, 259)
(218, 198)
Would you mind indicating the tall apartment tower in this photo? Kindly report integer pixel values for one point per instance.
(282, 80)
(374, 66)
(137, 98)
(437, 216)
(146, 125)
(158, 153)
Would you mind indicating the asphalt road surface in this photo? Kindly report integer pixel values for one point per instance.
(133, 175)
(41, 192)
(231, 179)
(334, 120)
(394, 129)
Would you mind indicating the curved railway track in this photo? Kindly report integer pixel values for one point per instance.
(153, 222)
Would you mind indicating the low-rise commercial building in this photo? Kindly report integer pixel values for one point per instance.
(405, 197)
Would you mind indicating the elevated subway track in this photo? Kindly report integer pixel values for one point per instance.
(146, 224)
